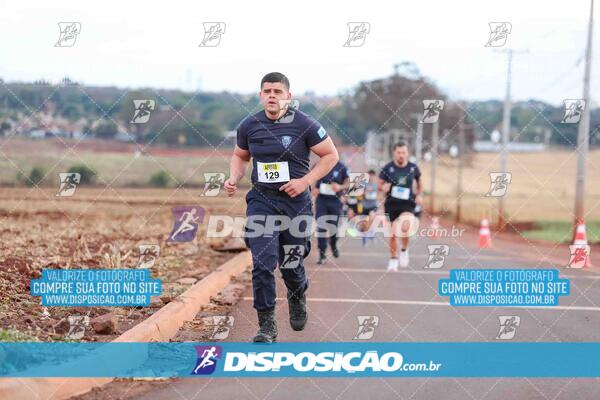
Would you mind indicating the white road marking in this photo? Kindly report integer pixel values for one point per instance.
(442, 272)
(430, 303)
(425, 256)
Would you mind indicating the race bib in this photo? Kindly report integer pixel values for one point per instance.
(400, 193)
(273, 172)
(351, 200)
(326, 189)
(371, 195)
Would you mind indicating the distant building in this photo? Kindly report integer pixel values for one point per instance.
(513, 147)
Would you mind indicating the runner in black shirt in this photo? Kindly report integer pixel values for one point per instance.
(400, 180)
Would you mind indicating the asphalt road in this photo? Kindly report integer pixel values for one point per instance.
(408, 309)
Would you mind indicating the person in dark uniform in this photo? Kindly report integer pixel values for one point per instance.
(369, 205)
(396, 181)
(329, 206)
(279, 140)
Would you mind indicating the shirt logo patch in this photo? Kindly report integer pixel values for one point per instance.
(286, 141)
(321, 132)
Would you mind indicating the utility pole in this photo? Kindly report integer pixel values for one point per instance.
(434, 151)
(505, 134)
(386, 146)
(419, 144)
(584, 127)
(459, 169)
(418, 138)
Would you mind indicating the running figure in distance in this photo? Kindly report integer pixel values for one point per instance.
(396, 182)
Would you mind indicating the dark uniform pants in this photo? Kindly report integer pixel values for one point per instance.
(269, 249)
(332, 207)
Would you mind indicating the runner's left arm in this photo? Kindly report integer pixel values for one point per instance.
(340, 187)
(419, 187)
(328, 158)
(317, 140)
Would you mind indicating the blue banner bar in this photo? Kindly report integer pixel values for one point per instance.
(300, 359)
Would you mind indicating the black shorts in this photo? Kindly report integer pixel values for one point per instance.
(353, 207)
(367, 211)
(394, 212)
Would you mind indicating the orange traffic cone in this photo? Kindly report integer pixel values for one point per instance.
(485, 239)
(435, 226)
(581, 240)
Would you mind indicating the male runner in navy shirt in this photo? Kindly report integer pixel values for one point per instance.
(279, 140)
(396, 180)
(329, 206)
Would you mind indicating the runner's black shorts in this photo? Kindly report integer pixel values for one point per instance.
(367, 211)
(364, 211)
(353, 207)
(394, 211)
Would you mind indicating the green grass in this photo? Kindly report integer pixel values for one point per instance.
(561, 231)
(11, 335)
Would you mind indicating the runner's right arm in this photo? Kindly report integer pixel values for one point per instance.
(237, 168)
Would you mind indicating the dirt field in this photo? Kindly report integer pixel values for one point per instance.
(95, 228)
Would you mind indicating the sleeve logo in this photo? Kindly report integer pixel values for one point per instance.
(321, 132)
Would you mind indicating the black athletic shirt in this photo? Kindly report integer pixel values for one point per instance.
(338, 174)
(287, 139)
(403, 177)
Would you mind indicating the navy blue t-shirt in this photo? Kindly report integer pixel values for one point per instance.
(403, 178)
(338, 174)
(286, 140)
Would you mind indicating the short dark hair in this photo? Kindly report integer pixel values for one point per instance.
(401, 143)
(273, 77)
(372, 172)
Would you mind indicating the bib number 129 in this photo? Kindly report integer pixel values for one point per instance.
(271, 175)
(273, 172)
